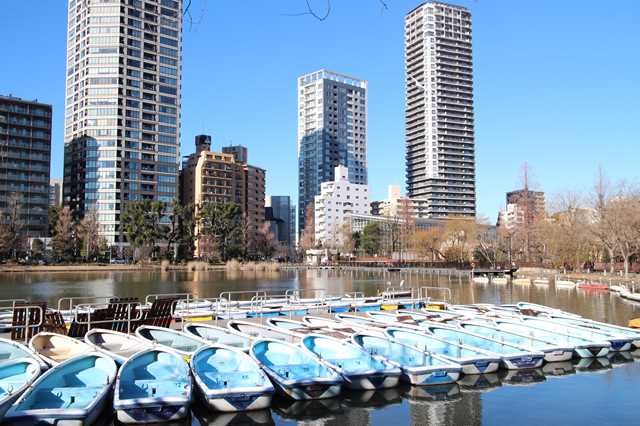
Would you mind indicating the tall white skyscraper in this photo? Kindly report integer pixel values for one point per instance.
(122, 116)
(439, 124)
(332, 131)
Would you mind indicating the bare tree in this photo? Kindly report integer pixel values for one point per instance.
(11, 238)
(89, 233)
(308, 238)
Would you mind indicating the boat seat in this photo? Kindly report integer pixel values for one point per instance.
(152, 388)
(232, 379)
(68, 397)
(296, 371)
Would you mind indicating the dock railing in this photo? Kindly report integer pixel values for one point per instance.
(445, 291)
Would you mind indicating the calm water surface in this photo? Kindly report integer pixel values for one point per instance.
(597, 393)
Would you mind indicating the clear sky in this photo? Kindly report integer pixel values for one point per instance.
(557, 83)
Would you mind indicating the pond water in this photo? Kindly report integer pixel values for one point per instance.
(601, 392)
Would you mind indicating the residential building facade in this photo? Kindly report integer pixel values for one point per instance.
(218, 177)
(25, 162)
(55, 192)
(439, 117)
(332, 131)
(338, 199)
(122, 114)
(523, 207)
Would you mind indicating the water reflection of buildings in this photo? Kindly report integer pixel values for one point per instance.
(466, 410)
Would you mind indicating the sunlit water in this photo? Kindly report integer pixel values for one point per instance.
(597, 393)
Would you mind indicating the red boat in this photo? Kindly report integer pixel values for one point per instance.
(593, 285)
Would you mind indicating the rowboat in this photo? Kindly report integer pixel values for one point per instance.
(472, 360)
(74, 392)
(535, 309)
(362, 321)
(564, 284)
(10, 350)
(480, 280)
(16, 376)
(584, 348)
(55, 348)
(295, 372)
(153, 386)
(418, 368)
(521, 281)
(119, 346)
(229, 380)
(182, 343)
(219, 336)
(255, 331)
(513, 357)
(332, 324)
(630, 295)
(302, 329)
(618, 342)
(364, 304)
(360, 369)
(603, 327)
(499, 280)
(551, 351)
(592, 285)
(541, 281)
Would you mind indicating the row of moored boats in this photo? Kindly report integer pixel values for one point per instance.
(155, 374)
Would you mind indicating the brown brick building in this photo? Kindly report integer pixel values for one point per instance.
(224, 177)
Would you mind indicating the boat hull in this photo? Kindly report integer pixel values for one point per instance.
(558, 354)
(478, 366)
(522, 362)
(434, 377)
(371, 381)
(301, 392)
(153, 413)
(240, 401)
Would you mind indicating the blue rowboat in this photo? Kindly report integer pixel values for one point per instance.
(302, 329)
(15, 377)
(602, 327)
(472, 360)
(513, 357)
(119, 346)
(74, 392)
(418, 367)
(219, 336)
(551, 351)
(255, 331)
(10, 350)
(618, 342)
(584, 348)
(230, 380)
(182, 343)
(360, 369)
(295, 372)
(153, 386)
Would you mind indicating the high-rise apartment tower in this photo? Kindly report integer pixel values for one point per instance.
(439, 124)
(332, 131)
(122, 116)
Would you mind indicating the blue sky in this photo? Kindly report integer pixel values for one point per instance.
(557, 83)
